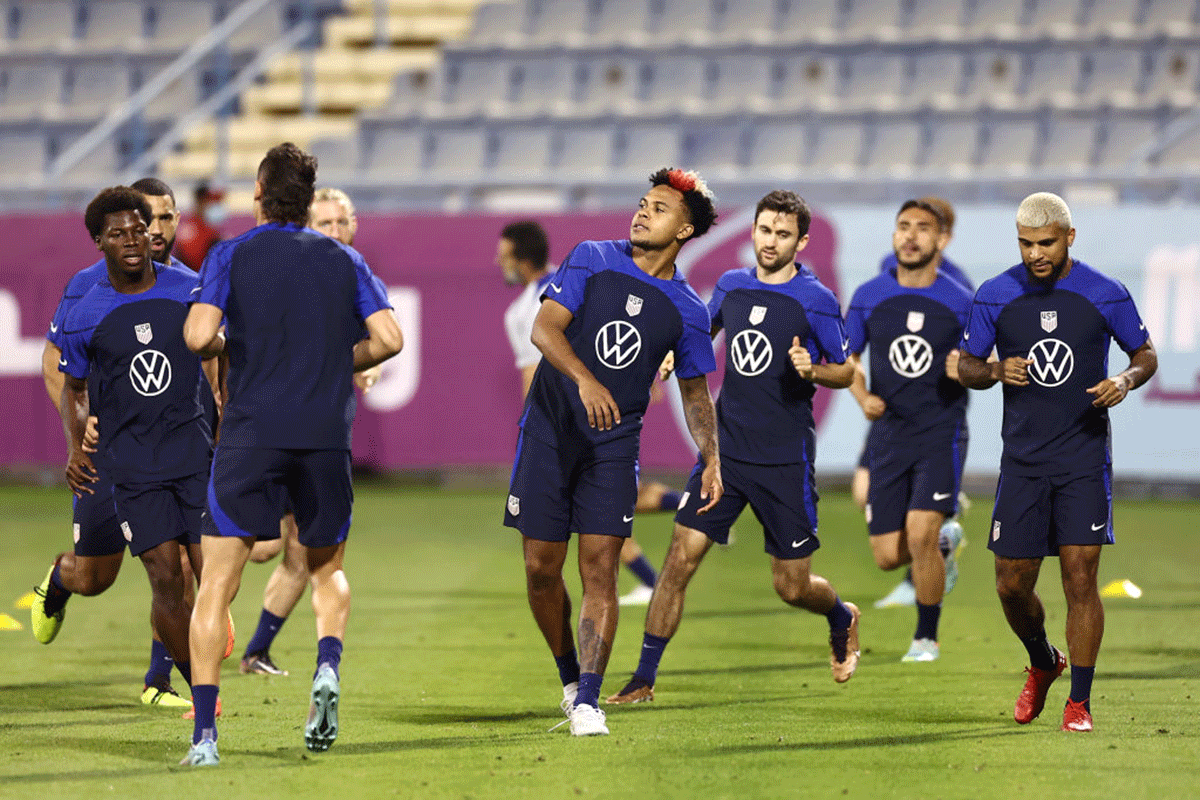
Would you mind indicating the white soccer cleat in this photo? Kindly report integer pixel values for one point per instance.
(569, 693)
(587, 721)
(950, 541)
(638, 596)
(922, 650)
(904, 594)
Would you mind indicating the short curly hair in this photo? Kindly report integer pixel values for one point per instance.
(288, 176)
(111, 201)
(696, 196)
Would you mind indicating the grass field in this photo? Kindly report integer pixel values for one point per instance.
(448, 689)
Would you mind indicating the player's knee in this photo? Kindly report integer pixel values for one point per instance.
(90, 584)
(792, 592)
(886, 559)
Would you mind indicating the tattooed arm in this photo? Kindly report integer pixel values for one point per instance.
(702, 422)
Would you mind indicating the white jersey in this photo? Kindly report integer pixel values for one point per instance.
(518, 322)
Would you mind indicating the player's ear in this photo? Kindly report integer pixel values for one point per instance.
(803, 243)
(1070, 237)
(99, 247)
(685, 233)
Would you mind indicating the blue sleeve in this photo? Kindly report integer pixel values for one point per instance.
(567, 286)
(856, 324)
(1125, 323)
(829, 333)
(980, 334)
(714, 307)
(370, 294)
(75, 359)
(694, 353)
(65, 304)
(214, 276)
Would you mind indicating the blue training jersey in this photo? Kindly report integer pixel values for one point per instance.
(764, 411)
(945, 267)
(625, 322)
(147, 397)
(911, 331)
(1050, 426)
(294, 301)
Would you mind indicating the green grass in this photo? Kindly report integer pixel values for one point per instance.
(449, 689)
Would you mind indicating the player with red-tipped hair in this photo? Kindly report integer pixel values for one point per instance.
(611, 314)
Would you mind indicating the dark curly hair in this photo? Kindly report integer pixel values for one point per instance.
(111, 201)
(936, 209)
(288, 176)
(696, 196)
(785, 202)
(153, 187)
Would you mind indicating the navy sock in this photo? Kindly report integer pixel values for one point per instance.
(640, 566)
(329, 651)
(568, 667)
(160, 664)
(927, 621)
(839, 616)
(56, 594)
(1041, 654)
(652, 652)
(1081, 684)
(185, 669)
(908, 575)
(204, 701)
(264, 635)
(589, 689)
(670, 500)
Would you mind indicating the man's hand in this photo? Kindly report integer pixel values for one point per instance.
(667, 366)
(80, 472)
(368, 377)
(602, 410)
(801, 359)
(91, 435)
(952, 365)
(1013, 370)
(1110, 391)
(873, 407)
(711, 486)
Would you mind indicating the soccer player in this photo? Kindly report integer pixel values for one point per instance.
(331, 213)
(297, 304)
(913, 317)
(780, 323)
(126, 332)
(1051, 319)
(608, 318)
(522, 253)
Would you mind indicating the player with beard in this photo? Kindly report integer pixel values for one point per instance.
(780, 324)
(1051, 319)
(913, 319)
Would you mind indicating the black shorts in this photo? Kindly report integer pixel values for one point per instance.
(1033, 517)
(153, 513)
(915, 476)
(95, 527)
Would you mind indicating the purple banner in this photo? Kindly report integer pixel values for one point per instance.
(451, 398)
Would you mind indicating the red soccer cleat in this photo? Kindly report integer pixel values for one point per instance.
(1033, 697)
(1076, 718)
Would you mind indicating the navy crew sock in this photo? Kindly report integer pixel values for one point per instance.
(264, 635)
(927, 621)
(1081, 685)
(568, 667)
(589, 689)
(641, 567)
(652, 652)
(329, 651)
(839, 616)
(160, 665)
(1041, 653)
(204, 703)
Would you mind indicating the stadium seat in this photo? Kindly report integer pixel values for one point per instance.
(1114, 79)
(1010, 147)
(748, 22)
(675, 83)
(1174, 73)
(33, 92)
(498, 24)
(560, 22)
(934, 20)
(180, 96)
(22, 158)
(458, 153)
(814, 21)
(646, 148)
(1184, 153)
(117, 25)
(777, 149)
(952, 147)
(179, 22)
(1053, 79)
(621, 22)
(608, 85)
(995, 79)
(871, 21)
(1121, 138)
(45, 25)
(996, 19)
(412, 90)
(809, 82)
(474, 86)
(396, 154)
(895, 148)
(837, 149)
(715, 150)
(743, 82)
(522, 151)
(337, 159)
(1169, 18)
(585, 151)
(1113, 19)
(1055, 19)
(262, 28)
(1070, 143)
(96, 89)
(875, 83)
(683, 21)
(937, 80)
(543, 86)
(97, 168)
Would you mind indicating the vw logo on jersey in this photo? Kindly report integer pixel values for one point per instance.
(150, 373)
(143, 332)
(915, 321)
(1049, 321)
(618, 343)
(757, 314)
(750, 351)
(910, 355)
(1053, 361)
(633, 305)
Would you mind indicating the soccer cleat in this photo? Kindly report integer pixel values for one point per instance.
(570, 691)
(951, 542)
(229, 640)
(202, 754)
(905, 594)
(321, 729)
(636, 691)
(921, 650)
(1032, 699)
(1076, 717)
(587, 721)
(164, 696)
(844, 649)
(260, 664)
(638, 596)
(45, 628)
(191, 712)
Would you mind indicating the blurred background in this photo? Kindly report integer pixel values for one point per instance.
(445, 119)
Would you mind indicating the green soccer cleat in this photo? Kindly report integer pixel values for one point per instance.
(45, 628)
(202, 754)
(321, 729)
(164, 696)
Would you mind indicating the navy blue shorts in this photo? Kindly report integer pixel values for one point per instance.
(153, 513)
(249, 487)
(557, 491)
(95, 526)
(917, 476)
(782, 496)
(1034, 516)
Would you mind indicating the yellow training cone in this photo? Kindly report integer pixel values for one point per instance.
(24, 601)
(1123, 588)
(7, 623)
